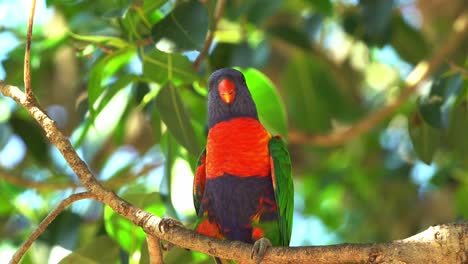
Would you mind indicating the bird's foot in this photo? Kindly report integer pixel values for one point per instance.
(164, 225)
(259, 249)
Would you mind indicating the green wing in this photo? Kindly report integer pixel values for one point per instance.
(199, 181)
(283, 186)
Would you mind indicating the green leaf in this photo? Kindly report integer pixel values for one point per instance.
(105, 67)
(64, 230)
(436, 107)
(181, 255)
(290, 35)
(183, 29)
(426, 139)
(325, 7)
(8, 192)
(155, 68)
(408, 42)
(155, 121)
(33, 136)
(5, 132)
(123, 231)
(376, 17)
(102, 40)
(242, 55)
(312, 25)
(115, 87)
(101, 250)
(260, 10)
(271, 109)
(312, 95)
(457, 130)
(171, 151)
(461, 196)
(174, 115)
(109, 93)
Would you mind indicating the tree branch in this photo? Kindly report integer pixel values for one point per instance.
(154, 249)
(421, 72)
(438, 244)
(46, 222)
(27, 53)
(209, 39)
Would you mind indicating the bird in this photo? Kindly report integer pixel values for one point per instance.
(243, 188)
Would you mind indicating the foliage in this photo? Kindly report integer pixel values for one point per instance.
(119, 78)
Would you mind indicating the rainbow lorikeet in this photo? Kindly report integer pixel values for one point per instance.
(243, 189)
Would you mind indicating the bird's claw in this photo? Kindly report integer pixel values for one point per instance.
(259, 249)
(164, 225)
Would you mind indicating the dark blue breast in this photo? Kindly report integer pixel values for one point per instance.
(232, 201)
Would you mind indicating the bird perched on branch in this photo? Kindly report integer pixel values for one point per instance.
(243, 189)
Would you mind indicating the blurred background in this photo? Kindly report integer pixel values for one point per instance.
(120, 79)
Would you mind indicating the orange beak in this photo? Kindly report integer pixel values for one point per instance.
(227, 91)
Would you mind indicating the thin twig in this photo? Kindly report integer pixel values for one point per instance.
(422, 71)
(27, 53)
(112, 183)
(154, 249)
(46, 222)
(209, 39)
(30, 184)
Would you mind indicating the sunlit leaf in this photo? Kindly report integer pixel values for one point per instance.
(270, 107)
(174, 115)
(102, 40)
(123, 231)
(155, 68)
(7, 192)
(183, 29)
(331, 205)
(105, 67)
(180, 255)
(312, 95)
(323, 6)
(461, 196)
(101, 250)
(109, 93)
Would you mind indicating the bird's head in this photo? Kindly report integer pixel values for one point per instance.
(229, 97)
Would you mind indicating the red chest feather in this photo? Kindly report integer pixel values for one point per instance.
(238, 147)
